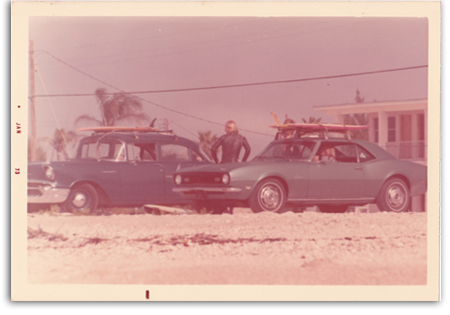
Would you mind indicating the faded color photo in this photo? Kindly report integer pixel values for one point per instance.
(225, 150)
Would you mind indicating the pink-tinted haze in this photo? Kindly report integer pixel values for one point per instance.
(136, 54)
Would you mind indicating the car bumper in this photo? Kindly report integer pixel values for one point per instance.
(202, 193)
(45, 192)
(419, 188)
(207, 189)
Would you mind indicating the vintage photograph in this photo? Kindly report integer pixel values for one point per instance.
(227, 149)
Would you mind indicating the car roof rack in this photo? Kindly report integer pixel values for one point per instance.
(321, 129)
(107, 130)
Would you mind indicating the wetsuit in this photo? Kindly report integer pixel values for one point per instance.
(231, 147)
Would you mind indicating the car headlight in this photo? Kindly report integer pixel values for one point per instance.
(225, 179)
(49, 173)
(178, 179)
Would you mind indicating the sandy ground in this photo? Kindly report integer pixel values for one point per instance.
(243, 248)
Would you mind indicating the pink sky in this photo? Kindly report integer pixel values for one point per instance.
(142, 54)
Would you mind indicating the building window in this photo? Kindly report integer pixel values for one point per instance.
(391, 129)
(421, 135)
(375, 130)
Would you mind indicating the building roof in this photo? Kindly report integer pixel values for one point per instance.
(387, 106)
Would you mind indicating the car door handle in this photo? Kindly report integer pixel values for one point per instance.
(359, 168)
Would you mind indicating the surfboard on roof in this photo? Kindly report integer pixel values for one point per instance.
(315, 127)
(121, 128)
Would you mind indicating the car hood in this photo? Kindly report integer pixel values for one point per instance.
(225, 167)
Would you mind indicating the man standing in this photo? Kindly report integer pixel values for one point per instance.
(231, 143)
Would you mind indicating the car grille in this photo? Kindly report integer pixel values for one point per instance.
(209, 179)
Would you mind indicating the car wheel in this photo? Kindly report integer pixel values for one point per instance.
(82, 199)
(394, 196)
(333, 208)
(269, 195)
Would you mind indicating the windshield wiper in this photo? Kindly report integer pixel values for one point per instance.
(260, 157)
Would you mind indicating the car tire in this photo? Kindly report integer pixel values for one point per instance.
(333, 208)
(394, 196)
(269, 196)
(82, 200)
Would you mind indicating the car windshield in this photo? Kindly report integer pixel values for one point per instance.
(288, 150)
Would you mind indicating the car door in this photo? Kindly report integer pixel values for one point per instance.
(142, 174)
(176, 157)
(99, 165)
(339, 177)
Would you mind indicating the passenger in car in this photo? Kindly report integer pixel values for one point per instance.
(326, 155)
(231, 144)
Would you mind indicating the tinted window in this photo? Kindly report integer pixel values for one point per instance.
(174, 153)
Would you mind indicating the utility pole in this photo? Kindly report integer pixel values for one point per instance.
(32, 107)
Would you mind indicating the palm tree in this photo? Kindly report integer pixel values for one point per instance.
(358, 119)
(41, 155)
(206, 141)
(115, 108)
(61, 138)
(312, 120)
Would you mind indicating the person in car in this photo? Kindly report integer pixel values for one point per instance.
(326, 155)
(231, 144)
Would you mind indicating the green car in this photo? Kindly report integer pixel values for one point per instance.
(332, 174)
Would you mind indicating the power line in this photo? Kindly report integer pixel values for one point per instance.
(240, 85)
(155, 104)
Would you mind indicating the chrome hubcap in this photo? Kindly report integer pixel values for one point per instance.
(79, 200)
(396, 196)
(269, 197)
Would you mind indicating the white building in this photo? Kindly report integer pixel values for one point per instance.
(400, 127)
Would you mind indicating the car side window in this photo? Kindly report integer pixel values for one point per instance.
(290, 150)
(111, 150)
(88, 151)
(364, 155)
(174, 153)
(141, 152)
(346, 153)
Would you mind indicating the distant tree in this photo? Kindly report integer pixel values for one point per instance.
(358, 97)
(41, 155)
(358, 119)
(206, 141)
(115, 108)
(61, 138)
(312, 120)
